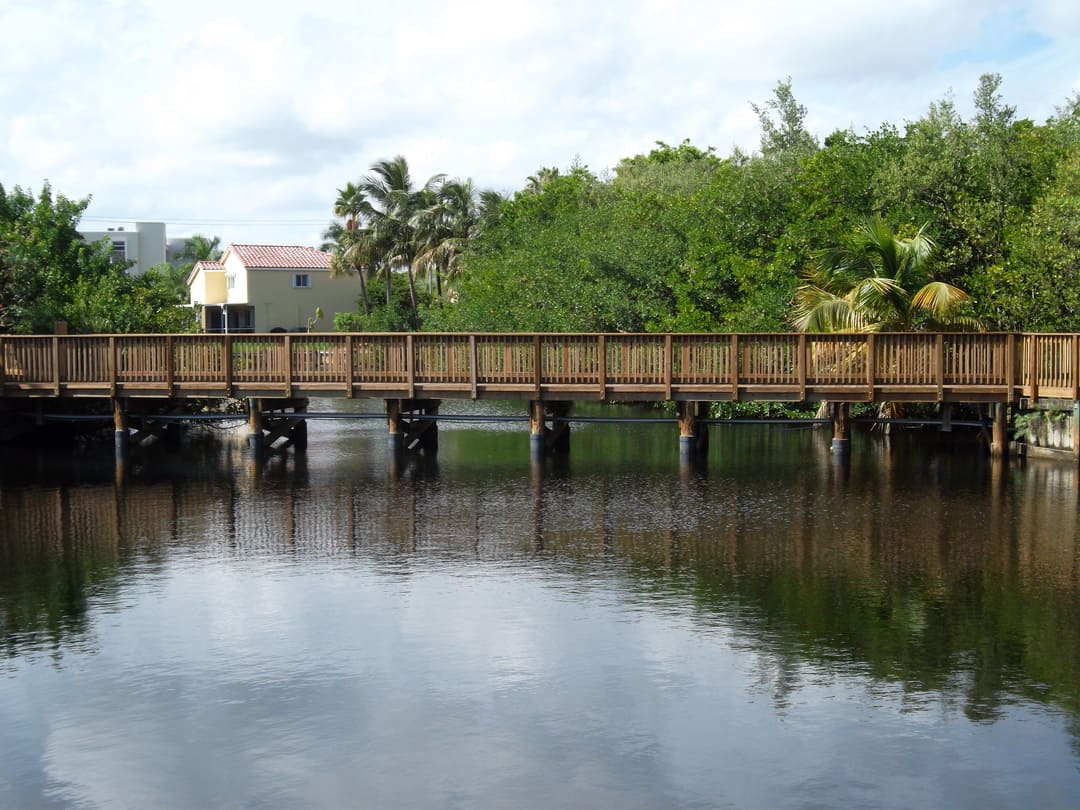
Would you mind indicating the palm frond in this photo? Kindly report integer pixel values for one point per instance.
(939, 298)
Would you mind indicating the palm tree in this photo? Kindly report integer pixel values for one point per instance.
(347, 248)
(866, 284)
(459, 214)
(876, 281)
(201, 248)
(442, 229)
(535, 183)
(392, 202)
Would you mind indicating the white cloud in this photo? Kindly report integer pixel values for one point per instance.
(258, 111)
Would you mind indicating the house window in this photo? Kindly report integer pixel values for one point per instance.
(301, 280)
(119, 250)
(230, 282)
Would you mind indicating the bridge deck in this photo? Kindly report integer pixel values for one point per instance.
(923, 367)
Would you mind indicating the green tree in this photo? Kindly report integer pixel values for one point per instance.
(397, 317)
(668, 170)
(786, 134)
(578, 255)
(116, 302)
(42, 257)
(1036, 288)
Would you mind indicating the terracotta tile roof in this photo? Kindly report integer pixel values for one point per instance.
(203, 265)
(281, 256)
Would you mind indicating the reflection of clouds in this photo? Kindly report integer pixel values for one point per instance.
(637, 660)
(317, 686)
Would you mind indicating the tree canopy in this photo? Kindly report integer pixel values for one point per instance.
(680, 238)
(48, 273)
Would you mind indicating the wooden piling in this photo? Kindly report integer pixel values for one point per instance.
(841, 441)
(120, 427)
(557, 437)
(396, 433)
(429, 429)
(999, 435)
(537, 430)
(255, 425)
(419, 430)
(298, 431)
(693, 435)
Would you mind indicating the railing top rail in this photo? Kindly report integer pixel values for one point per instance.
(276, 335)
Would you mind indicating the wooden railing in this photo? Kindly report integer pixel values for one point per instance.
(972, 367)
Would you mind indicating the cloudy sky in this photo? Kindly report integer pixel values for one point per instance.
(241, 119)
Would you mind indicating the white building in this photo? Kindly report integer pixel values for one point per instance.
(145, 245)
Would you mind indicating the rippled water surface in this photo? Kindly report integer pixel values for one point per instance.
(333, 629)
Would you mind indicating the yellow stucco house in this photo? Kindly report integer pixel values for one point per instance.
(264, 288)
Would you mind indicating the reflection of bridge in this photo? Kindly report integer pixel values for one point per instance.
(412, 372)
(897, 592)
(1026, 535)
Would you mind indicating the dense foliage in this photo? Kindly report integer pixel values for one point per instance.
(682, 239)
(48, 273)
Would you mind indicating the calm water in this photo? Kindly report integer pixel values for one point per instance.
(330, 630)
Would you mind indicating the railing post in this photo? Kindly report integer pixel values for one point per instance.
(170, 373)
(349, 365)
(537, 361)
(871, 371)
(410, 365)
(3, 366)
(668, 367)
(800, 360)
(110, 365)
(1010, 367)
(601, 347)
(56, 365)
(227, 364)
(287, 341)
(1075, 369)
(472, 365)
(939, 359)
(1033, 367)
(733, 364)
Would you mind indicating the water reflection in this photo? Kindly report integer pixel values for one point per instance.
(926, 573)
(848, 561)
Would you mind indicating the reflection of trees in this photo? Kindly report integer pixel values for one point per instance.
(974, 598)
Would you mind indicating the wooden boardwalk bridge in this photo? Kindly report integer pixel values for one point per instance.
(413, 371)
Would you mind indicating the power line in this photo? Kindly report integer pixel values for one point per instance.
(181, 221)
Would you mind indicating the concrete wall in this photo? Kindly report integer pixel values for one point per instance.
(208, 287)
(1049, 429)
(280, 305)
(237, 276)
(145, 245)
